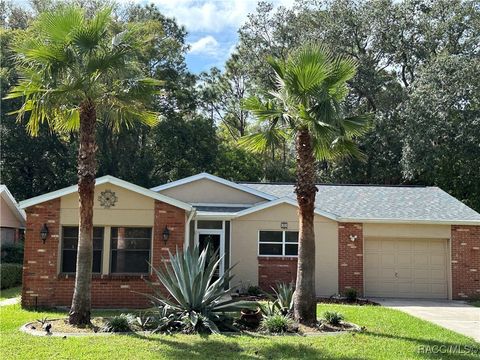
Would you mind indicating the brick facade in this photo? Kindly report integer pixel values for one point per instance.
(350, 257)
(465, 246)
(272, 270)
(43, 286)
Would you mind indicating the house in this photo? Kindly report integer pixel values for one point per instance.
(388, 241)
(12, 218)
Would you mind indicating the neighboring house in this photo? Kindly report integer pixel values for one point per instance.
(12, 218)
(388, 241)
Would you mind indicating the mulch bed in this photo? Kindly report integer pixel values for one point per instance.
(344, 301)
(323, 327)
(62, 326)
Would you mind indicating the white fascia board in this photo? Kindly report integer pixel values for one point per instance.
(103, 180)
(223, 204)
(13, 205)
(215, 179)
(210, 215)
(410, 221)
(284, 200)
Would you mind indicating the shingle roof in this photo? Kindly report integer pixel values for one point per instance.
(365, 202)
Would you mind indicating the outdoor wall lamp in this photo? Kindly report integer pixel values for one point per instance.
(353, 237)
(44, 233)
(165, 234)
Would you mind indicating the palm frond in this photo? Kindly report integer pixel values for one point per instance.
(264, 140)
(57, 25)
(263, 111)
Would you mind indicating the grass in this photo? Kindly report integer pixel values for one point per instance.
(10, 293)
(389, 334)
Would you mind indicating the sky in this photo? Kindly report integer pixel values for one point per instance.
(211, 25)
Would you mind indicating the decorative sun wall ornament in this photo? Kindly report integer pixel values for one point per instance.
(107, 199)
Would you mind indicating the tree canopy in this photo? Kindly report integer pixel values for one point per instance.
(417, 71)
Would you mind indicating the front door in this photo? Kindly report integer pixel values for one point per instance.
(215, 244)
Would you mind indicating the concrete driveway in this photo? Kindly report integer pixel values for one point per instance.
(454, 315)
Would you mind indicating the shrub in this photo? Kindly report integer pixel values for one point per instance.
(11, 275)
(143, 321)
(120, 323)
(276, 323)
(333, 317)
(254, 290)
(351, 294)
(194, 296)
(284, 293)
(269, 308)
(12, 253)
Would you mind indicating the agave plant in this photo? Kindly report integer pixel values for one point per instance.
(284, 293)
(201, 301)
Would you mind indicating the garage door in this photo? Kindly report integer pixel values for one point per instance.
(409, 268)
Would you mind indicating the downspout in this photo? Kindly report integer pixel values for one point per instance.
(187, 227)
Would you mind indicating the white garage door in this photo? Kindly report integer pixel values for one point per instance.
(409, 268)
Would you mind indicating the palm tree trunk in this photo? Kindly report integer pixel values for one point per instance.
(81, 303)
(304, 298)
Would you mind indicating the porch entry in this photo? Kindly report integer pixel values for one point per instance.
(215, 234)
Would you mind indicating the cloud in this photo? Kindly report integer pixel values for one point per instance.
(206, 45)
(211, 15)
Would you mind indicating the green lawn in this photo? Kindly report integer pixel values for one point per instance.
(390, 334)
(10, 293)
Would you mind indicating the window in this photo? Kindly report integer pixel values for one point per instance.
(69, 249)
(130, 250)
(278, 243)
(209, 224)
(7, 236)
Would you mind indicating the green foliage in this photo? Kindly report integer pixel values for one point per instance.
(276, 323)
(269, 308)
(120, 323)
(442, 131)
(253, 290)
(195, 297)
(310, 87)
(351, 294)
(12, 253)
(333, 317)
(72, 59)
(11, 275)
(284, 294)
(383, 36)
(143, 321)
(391, 334)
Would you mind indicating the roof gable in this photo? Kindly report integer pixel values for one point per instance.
(12, 204)
(103, 180)
(216, 179)
(279, 201)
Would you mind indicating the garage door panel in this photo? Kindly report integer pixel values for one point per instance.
(373, 245)
(405, 246)
(404, 259)
(437, 260)
(387, 246)
(387, 260)
(406, 268)
(404, 274)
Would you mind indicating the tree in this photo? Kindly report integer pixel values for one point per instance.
(441, 145)
(77, 71)
(306, 105)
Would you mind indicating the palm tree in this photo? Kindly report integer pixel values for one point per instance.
(305, 105)
(76, 71)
